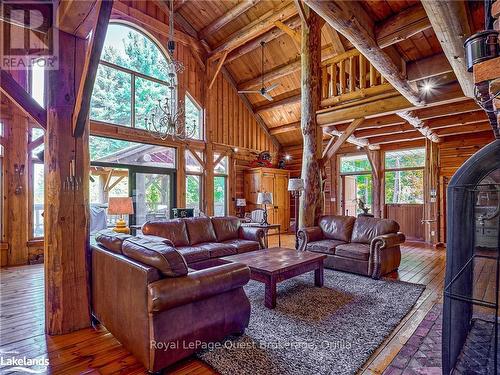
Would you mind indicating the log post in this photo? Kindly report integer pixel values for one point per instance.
(311, 200)
(66, 201)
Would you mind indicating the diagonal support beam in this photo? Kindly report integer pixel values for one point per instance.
(22, 99)
(290, 32)
(217, 69)
(332, 150)
(93, 55)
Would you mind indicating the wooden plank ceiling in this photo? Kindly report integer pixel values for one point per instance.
(225, 26)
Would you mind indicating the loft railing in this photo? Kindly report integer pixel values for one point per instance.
(350, 76)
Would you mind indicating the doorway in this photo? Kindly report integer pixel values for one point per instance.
(356, 188)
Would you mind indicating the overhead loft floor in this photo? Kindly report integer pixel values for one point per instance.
(93, 351)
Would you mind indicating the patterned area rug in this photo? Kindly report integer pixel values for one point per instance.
(329, 330)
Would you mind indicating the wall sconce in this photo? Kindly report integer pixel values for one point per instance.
(19, 172)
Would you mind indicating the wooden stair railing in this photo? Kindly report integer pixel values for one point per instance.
(350, 76)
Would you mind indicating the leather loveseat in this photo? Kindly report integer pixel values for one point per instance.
(160, 310)
(363, 245)
(201, 239)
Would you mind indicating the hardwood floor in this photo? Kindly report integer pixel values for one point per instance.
(94, 351)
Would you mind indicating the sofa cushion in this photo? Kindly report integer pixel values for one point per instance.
(156, 254)
(200, 230)
(367, 228)
(226, 228)
(217, 249)
(194, 254)
(352, 250)
(324, 246)
(243, 246)
(111, 240)
(337, 227)
(174, 230)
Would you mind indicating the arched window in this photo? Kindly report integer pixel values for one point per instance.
(132, 76)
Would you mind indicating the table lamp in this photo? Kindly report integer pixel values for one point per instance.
(241, 204)
(265, 199)
(295, 187)
(120, 206)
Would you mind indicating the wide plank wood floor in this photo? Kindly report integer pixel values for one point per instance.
(96, 351)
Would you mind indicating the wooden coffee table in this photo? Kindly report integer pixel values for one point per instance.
(271, 266)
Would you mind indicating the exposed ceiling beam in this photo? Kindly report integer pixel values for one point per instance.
(18, 95)
(291, 97)
(226, 18)
(385, 105)
(412, 118)
(464, 129)
(458, 119)
(281, 71)
(90, 65)
(402, 26)
(428, 67)
(386, 130)
(267, 37)
(179, 4)
(285, 128)
(406, 136)
(247, 104)
(301, 11)
(296, 37)
(451, 26)
(258, 27)
(351, 20)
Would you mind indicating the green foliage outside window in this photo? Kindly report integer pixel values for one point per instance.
(357, 163)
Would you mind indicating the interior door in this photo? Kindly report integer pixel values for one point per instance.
(268, 186)
(280, 197)
(349, 198)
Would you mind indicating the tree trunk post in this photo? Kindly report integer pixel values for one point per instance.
(311, 199)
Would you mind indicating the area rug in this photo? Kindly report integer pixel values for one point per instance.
(329, 330)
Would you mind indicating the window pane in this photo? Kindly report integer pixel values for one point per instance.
(38, 83)
(404, 187)
(219, 196)
(405, 158)
(193, 117)
(126, 47)
(38, 199)
(152, 197)
(221, 167)
(193, 193)
(354, 163)
(116, 151)
(35, 134)
(111, 96)
(192, 165)
(147, 94)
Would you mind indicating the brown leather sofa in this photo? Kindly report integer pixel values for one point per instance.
(201, 239)
(160, 310)
(363, 245)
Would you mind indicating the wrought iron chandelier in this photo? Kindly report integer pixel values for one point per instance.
(167, 120)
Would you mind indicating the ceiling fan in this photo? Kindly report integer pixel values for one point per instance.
(264, 91)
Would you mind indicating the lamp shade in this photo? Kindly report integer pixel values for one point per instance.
(120, 206)
(265, 198)
(295, 184)
(241, 202)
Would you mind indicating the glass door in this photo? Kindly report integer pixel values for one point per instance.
(356, 189)
(153, 196)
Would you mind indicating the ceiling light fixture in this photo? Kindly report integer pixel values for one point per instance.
(427, 87)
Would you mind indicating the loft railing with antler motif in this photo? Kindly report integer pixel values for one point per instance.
(350, 76)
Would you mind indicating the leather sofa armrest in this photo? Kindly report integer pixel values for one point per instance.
(176, 291)
(377, 246)
(306, 235)
(253, 234)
